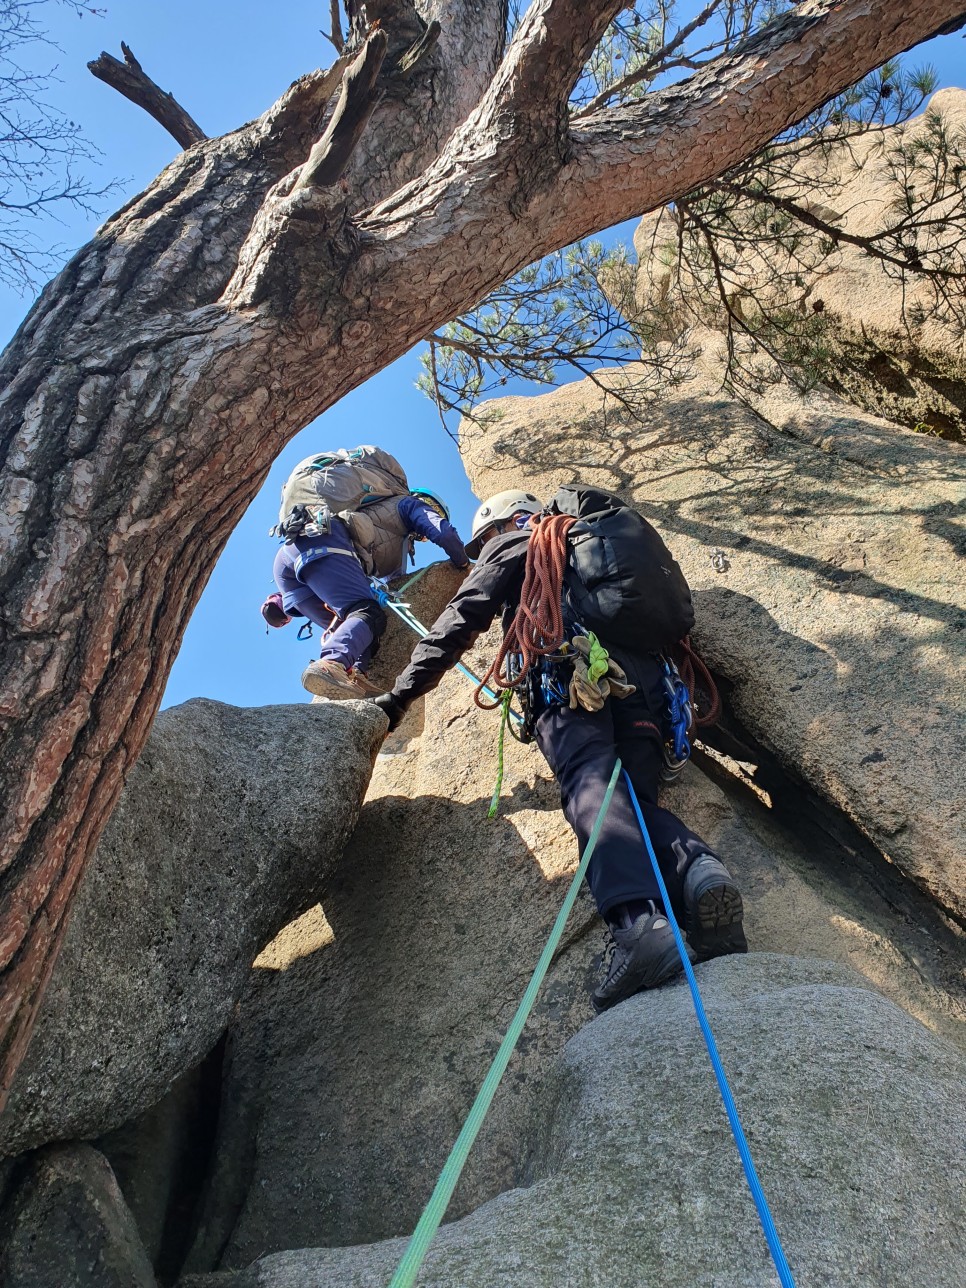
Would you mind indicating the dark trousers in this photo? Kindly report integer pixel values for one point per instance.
(581, 747)
(319, 576)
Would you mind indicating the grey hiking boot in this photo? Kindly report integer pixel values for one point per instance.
(331, 680)
(645, 955)
(713, 909)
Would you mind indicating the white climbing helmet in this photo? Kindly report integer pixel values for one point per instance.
(496, 509)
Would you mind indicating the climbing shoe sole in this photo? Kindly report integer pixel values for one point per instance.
(713, 911)
(332, 682)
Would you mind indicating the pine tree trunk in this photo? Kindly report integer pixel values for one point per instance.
(161, 372)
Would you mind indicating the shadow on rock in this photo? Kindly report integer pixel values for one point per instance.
(366, 1031)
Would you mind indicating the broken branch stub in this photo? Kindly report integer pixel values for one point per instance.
(358, 99)
(130, 79)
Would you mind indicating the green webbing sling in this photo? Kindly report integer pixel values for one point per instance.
(435, 1209)
(504, 716)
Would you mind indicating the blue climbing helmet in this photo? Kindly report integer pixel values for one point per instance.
(437, 502)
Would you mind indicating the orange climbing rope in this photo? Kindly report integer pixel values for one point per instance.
(688, 663)
(537, 627)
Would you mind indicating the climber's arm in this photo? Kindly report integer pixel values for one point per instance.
(493, 581)
(420, 517)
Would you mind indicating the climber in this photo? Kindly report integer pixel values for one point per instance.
(322, 570)
(581, 724)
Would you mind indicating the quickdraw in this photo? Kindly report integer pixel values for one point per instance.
(680, 717)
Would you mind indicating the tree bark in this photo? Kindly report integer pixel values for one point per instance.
(158, 376)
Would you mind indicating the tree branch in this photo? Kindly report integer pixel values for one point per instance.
(419, 51)
(548, 52)
(658, 61)
(834, 232)
(618, 163)
(357, 102)
(130, 79)
(728, 110)
(335, 36)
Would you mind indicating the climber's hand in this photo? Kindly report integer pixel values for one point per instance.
(392, 707)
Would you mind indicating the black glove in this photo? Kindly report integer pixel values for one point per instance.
(392, 707)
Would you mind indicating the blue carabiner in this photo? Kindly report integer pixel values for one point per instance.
(678, 710)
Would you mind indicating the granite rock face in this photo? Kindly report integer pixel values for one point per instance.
(226, 828)
(839, 616)
(635, 1178)
(67, 1226)
(369, 1022)
(889, 349)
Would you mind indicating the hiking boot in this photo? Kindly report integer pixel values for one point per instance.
(331, 680)
(645, 956)
(713, 909)
(365, 684)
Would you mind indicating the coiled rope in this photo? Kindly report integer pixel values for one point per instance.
(537, 627)
(689, 663)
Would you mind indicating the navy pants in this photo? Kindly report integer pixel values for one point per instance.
(581, 747)
(321, 576)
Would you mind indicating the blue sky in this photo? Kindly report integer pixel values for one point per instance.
(225, 63)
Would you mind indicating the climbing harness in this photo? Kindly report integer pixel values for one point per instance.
(751, 1175)
(435, 1210)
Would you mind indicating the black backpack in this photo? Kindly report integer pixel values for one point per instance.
(621, 580)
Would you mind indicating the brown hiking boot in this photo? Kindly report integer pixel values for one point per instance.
(331, 680)
(369, 689)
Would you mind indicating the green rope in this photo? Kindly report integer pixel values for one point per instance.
(504, 716)
(401, 590)
(435, 1209)
(599, 659)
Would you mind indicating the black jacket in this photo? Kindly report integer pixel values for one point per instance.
(495, 584)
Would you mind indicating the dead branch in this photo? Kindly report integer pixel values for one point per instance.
(335, 36)
(416, 55)
(130, 79)
(357, 102)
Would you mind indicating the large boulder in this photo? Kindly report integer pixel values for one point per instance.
(856, 1116)
(66, 1225)
(369, 1023)
(226, 829)
(838, 616)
